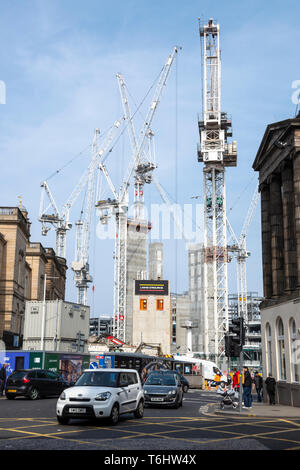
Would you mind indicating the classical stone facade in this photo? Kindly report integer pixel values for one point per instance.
(22, 272)
(278, 164)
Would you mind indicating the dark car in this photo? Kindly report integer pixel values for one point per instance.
(34, 384)
(184, 381)
(163, 388)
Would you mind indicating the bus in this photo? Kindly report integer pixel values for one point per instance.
(142, 363)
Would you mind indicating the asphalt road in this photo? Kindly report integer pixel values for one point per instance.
(32, 425)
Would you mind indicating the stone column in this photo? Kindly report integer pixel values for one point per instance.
(296, 167)
(266, 240)
(288, 205)
(276, 222)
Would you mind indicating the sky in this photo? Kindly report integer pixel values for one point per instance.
(59, 61)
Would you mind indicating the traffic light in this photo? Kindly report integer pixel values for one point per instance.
(231, 348)
(235, 338)
(237, 328)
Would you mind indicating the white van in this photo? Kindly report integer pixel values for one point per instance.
(209, 368)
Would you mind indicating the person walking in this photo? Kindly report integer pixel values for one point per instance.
(258, 381)
(247, 396)
(271, 388)
(236, 380)
(2, 378)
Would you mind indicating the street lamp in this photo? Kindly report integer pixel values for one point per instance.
(44, 311)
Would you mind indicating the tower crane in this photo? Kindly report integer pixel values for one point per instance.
(60, 219)
(216, 154)
(241, 254)
(80, 266)
(119, 205)
(144, 161)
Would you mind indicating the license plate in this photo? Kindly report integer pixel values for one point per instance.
(11, 391)
(77, 410)
(157, 399)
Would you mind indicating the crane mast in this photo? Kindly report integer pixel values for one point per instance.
(216, 153)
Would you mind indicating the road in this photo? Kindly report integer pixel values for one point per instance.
(32, 425)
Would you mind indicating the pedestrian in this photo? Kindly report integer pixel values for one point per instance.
(271, 388)
(2, 378)
(228, 379)
(258, 381)
(247, 396)
(236, 380)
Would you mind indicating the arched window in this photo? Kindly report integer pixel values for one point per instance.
(281, 350)
(269, 348)
(293, 343)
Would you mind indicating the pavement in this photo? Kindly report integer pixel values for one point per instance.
(262, 410)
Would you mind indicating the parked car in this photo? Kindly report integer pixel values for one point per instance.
(102, 393)
(163, 388)
(34, 384)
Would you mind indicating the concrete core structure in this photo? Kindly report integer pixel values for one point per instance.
(137, 236)
(196, 274)
(152, 318)
(278, 164)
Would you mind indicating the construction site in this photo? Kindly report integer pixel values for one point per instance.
(106, 279)
(147, 312)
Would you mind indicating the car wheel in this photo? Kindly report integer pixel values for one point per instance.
(34, 394)
(10, 397)
(139, 412)
(114, 415)
(62, 420)
(185, 388)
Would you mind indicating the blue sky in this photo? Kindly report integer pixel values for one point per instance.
(59, 60)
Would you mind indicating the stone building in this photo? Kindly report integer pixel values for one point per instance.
(22, 272)
(152, 314)
(278, 164)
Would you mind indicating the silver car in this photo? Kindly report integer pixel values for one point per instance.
(102, 393)
(163, 388)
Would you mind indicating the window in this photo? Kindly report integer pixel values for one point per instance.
(132, 378)
(294, 362)
(143, 304)
(159, 304)
(269, 348)
(123, 379)
(41, 374)
(281, 350)
(51, 375)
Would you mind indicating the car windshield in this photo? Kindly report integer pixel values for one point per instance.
(98, 379)
(161, 379)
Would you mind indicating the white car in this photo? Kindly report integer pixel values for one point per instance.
(102, 393)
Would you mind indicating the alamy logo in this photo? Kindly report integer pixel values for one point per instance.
(2, 92)
(296, 94)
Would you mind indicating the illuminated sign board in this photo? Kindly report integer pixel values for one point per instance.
(151, 287)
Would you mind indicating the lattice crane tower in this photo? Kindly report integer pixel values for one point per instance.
(216, 153)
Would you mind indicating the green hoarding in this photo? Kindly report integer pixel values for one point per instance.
(52, 362)
(36, 360)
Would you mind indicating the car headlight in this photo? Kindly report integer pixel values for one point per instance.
(103, 396)
(62, 396)
(172, 392)
(145, 392)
